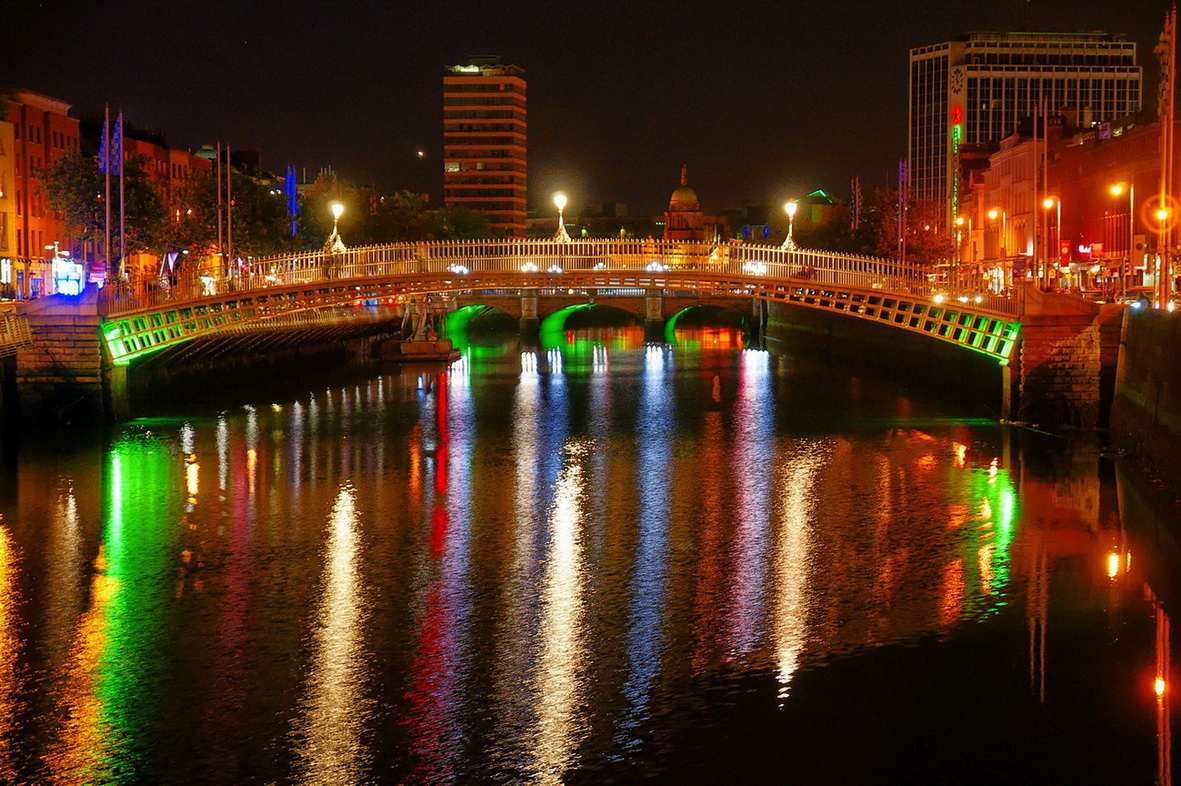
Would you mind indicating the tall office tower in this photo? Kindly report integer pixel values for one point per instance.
(484, 141)
(975, 89)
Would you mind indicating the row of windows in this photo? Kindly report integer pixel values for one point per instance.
(36, 243)
(33, 135)
(35, 163)
(491, 114)
(518, 153)
(511, 127)
(476, 204)
(62, 141)
(482, 166)
(508, 178)
(1052, 59)
(451, 141)
(456, 88)
(1062, 42)
(507, 192)
(483, 101)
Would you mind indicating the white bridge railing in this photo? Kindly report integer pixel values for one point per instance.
(14, 333)
(548, 258)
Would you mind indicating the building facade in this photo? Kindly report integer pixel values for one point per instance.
(1086, 222)
(42, 130)
(975, 89)
(484, 142)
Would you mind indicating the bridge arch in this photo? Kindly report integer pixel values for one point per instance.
(904, 297)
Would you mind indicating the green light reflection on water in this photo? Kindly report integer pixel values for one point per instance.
(142, 482)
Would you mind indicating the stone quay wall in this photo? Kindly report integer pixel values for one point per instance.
(60, 375)
(1069, 353)
(1146, 411)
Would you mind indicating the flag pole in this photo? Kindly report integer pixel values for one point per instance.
(105, 163)
(229, 208)
(122, 216)
(220, 245)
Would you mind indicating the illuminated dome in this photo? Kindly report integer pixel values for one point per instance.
(684, 199)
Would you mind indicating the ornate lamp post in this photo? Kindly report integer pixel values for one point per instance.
(1162, 260)
(560, 203)
(789, 243)
(1052, 203)
(1126, 273)
(334, 243)
(1002, 258)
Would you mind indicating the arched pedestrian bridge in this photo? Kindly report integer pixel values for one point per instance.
(136, 322)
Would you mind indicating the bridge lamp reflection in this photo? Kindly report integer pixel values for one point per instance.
(461, 270)
(938, 298)
(655, 267)
(554, 268)
(529, 267)
(755, 268)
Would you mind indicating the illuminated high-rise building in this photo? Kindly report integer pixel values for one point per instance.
(484, 164)
(975, 88)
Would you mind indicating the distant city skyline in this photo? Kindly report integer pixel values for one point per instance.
(766, 102)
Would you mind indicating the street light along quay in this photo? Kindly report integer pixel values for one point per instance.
(1002, 247)
(1162, 259)
(1050, 203)
(1117, 190)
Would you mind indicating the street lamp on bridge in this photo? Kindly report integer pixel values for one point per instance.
(560, 203)
(789, 243)
(334, 244)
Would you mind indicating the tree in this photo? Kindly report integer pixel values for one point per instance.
(877, 234)
(927, 241)
(457, 222)
(74, 187)
(314, 219)
(371, 217)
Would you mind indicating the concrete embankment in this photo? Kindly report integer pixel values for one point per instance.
(1146, 411)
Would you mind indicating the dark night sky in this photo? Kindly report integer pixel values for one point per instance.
(762, 100)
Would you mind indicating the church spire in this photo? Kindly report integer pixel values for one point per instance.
(684, 174)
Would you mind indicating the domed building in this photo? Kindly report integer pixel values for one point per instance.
(684, 219)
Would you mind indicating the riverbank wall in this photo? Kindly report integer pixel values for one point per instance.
(1146, 410)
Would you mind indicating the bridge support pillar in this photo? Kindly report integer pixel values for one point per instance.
(1011, 388)
(653, 317)
(1067, 360)
(759, 315)
(529, 319)
(118, 399)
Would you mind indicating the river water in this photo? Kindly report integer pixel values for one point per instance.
(597, 561)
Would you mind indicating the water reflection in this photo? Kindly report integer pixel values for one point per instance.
(579, 566)
(793, 561)
(654, 481)
(334, 706)
(558, 676)
(10, 660)
(753, 466)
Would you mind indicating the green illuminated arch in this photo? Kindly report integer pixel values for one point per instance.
(552, 327)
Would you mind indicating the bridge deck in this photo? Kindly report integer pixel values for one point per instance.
(198, 303)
